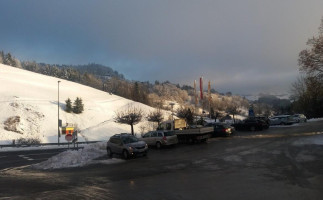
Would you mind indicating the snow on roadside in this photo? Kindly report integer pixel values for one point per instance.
(296, 124)
(310, 140)
(315, 119)
(82, 157)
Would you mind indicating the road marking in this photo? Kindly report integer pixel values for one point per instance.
(13, 168)
(40, 154)
(25, 157)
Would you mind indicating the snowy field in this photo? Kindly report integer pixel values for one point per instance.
(30, 100)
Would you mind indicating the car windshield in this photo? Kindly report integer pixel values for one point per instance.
(129, 139)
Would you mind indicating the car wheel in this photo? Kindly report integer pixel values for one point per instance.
(252, 128)
(109, 153)
(125, 154)
(158, 145)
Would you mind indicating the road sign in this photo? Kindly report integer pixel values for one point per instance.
(68, 137)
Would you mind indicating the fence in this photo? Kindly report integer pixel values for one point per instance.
(45, 144)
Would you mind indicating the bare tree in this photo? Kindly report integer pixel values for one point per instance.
(185, 113)
(233, 110)
(130, 116)
(155, 116)
(311, 60)
(308, 90)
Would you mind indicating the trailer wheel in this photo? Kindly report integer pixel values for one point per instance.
(205, 140)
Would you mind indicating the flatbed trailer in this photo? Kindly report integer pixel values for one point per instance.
(185, 134)
(194, 135)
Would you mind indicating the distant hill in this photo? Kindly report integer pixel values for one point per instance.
(99, 70)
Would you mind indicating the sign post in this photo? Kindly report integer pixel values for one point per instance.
(68, 138)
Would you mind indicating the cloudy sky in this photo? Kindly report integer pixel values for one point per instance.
(242, 46)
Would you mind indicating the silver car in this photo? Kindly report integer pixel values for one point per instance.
(126, 145)
(160, 138)
(282, 120)
(299, 118)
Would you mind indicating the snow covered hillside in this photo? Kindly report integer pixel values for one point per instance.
(28, 105)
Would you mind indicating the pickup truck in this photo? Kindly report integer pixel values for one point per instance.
(186, 134)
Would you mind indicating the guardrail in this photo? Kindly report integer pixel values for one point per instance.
(45, 144)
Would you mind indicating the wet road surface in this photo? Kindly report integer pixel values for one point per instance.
(279, 163)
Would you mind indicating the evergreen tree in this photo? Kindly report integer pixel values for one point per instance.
(185, 114)
(212, 113)
(68, 105)
(200, 121)
(78, 106)
(136, 92)
(8, 60)
(1, 57)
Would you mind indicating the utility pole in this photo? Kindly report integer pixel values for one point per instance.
(58, 121)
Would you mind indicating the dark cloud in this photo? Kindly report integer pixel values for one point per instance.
(241, 46)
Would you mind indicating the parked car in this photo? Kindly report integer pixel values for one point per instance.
(221, 129)
(299, 118)
(251, 124)
(282, 120)
(126, 145)
(265, 119)
(160, 138)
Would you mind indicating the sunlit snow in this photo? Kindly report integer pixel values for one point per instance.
(82, 157)
(33, 98)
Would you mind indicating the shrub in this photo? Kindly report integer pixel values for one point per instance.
(28, 141)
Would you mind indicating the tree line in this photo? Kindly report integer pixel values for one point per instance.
(157, 94)
(308, 89)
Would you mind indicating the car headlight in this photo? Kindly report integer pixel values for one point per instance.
(130, 149)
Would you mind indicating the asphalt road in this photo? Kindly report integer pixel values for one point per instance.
(279, 163)
(10, 160)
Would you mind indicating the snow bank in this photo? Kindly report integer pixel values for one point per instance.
(73, 158)
(315, 119)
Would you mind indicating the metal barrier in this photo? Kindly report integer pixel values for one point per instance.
(45, 144)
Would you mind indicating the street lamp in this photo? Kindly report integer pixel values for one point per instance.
(58, 121)
(172, 105)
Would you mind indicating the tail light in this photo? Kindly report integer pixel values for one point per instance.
(164, 138)
(226, 130)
